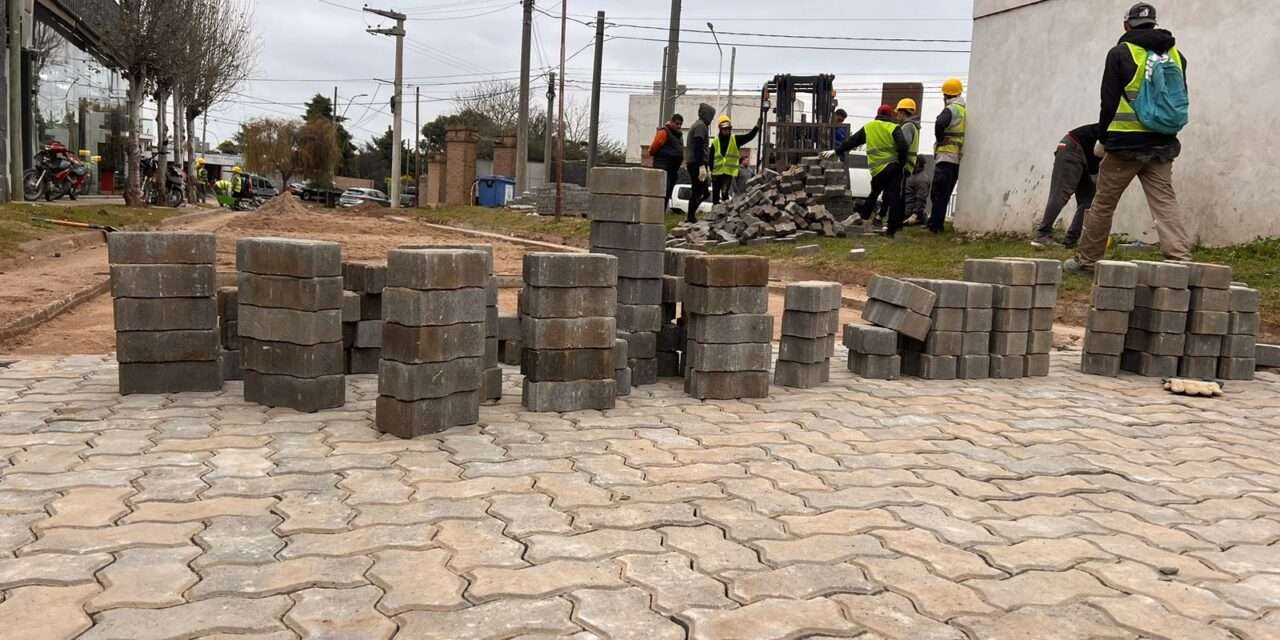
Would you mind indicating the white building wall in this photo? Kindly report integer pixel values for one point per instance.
(642, 116)
(1035, 72)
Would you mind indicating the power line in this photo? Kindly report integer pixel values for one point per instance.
(791, 36)
(797, 46)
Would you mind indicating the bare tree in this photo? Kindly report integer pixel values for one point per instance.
(139, 45)
(497, 100)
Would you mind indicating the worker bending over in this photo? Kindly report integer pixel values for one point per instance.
(948, 150)
(1075, 168)
(726, 155)
(888, 152)
(1144, 106)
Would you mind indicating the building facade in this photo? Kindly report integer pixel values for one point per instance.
(1035, 71)
(642, 116)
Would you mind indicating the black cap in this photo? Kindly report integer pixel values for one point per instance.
(1140, 15)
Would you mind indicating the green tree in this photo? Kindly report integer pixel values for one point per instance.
(320, 106)
(229, 147)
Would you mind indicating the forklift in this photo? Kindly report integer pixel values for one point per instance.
(794, 135)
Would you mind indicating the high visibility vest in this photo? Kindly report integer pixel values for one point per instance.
(881, 150)
(913, 154)
(1126, 119)
(953, 138)
(726, 162)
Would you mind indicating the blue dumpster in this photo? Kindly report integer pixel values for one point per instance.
(494, 191)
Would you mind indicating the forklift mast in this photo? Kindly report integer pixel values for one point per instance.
(788, 138)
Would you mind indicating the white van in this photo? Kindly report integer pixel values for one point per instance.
(680, 200)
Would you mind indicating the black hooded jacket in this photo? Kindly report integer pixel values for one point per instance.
(697, 149)
(1119, 71)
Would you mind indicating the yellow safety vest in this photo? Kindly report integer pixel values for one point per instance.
(953, 138)
(913, 154)
(1126, 119)
(726, 164)
(881, 150)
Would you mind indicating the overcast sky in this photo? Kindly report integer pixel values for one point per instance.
(309, 46)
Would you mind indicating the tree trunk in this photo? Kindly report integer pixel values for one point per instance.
(162, 134)
(192, 191)
(179, 135)
(133, 155)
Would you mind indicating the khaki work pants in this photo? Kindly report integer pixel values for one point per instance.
(1157, 181)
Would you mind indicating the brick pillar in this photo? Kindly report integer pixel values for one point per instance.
(436, 169)
(460, 174)
(504, 156)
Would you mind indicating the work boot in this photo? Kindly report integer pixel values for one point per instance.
(1072, 265)
(1045, 242)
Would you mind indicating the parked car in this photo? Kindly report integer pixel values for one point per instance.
(356, 197)
(262, 187)
(409, 197)
(680, 200)
(297, 188)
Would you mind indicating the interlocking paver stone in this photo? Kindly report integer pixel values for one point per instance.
(146, 578)
(508, 618)
(673, 583)
(601, 543)
(772, 619)
(799, 581)
(50, 569)
(554, 576)
(339, 614)
(622, 614)
(281, 577)
(47, 613)
(416, 580)
(192, 620)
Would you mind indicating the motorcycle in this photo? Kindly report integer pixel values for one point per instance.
(175, 184)
(54, 173)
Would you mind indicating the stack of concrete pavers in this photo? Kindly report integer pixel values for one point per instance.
(810, 310)
(290, 322)
(492, 388)
(938, 356)
(899, 305)
(1157, 337)
(673, 338)
(569, 332)
(431, 372)
(621, 369)
(229, 331)
(1013, 296)
(729, 329)
(166, 311)
(509, 346)
(627, 221)
(1209, 319)
(1111, 303)
(1240, 346)
(873, 352)
(1043, 309)
(363, 283)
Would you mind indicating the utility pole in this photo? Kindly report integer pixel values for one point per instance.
(548, 154)
(719, 65)
(662, 91)
(396, 112)
(564, 29)
(522, 125)
(594, 149)
(334, 108)
(17, 156)
(673, 62)
(417, 146)
(733, 59)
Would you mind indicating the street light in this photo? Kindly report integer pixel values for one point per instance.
(353, 99)
(720, 68)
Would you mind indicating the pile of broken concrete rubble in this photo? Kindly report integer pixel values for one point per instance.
(776, 206)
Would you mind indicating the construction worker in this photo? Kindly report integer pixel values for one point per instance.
(202, 180)
(697, 159)
(906, 112)
(726, 155)
(1075, 168)
(916, 196)
(1132, 148)
(839, 131)
(667, 151)
(888, 151)
(947, 151)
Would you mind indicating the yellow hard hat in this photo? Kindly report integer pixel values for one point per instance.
(952, 87)
(236, 169)
(199, 162)
(725, 122)
(907, 104)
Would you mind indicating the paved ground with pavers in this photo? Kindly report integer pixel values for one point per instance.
(1061, 507)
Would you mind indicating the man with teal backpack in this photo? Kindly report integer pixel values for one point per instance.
(1144, 106)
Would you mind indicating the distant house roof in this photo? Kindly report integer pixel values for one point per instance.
(221, 159)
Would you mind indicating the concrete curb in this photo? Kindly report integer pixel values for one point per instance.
(30, 321)
(511, 239)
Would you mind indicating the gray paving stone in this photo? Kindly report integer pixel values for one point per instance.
(636, 264)
(1042, 319)
(413, 345)
(951, 294)
(169, 377)
(812, 296)
(1013, 344)
(1008, 367)
(973, 367)
(641, 345)
(1046, 296)
(730, 357)
(635, 317)
(639, 181)
(1039, 342)
(976, 343)
(410, 382)
(627, 209)
(1168, 275)
(1158, 321)
(1037, 365)
(674, 260)
(301, 361)
(1245, 300)
(1112, 299)
(1200, 345)
(729, 329)
(1098, 364)
(1012, 320)
(876, 367)
(980, 320)
(163, 281)
(350, 306)
(161, 247)
(369, 334)
(726, 271)
(1197, 367)
(1203, 299)
(947, 319)
(899, 319)
(577, 395)
(562, 365)
(725, 300)
(1163, 299)
(640, 290)
(164, 314)
(1013, 297)
(1105, 321)
(363, 361)
(364, 277)
(1004, 272)
(727, 385)
(542, 269)
(419, 308)
(901, 293)
(1209, 276)
(577, 333)
(285, 292)
(806, 324)
(1209, 322)
(622, 235)
(1148, 365)
(289, 257)
(371, 306)
(672, 291)
(1268, 355)
(422, 417)
(307, 395)
(1244, 323)
(644, 371)
(231, 369)
(289, 325)
(1237, 368)
(167, 346)
(1114, 273)
(622, 381)
(799, 375)
(1103, 343)
(562, 302)
(1048, 271)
